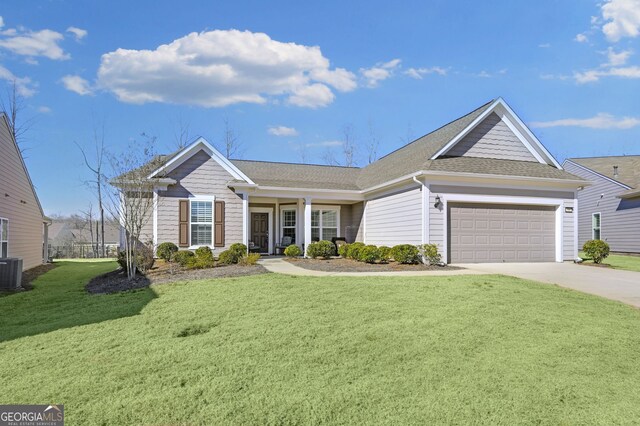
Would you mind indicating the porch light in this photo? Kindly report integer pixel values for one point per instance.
(437, 203)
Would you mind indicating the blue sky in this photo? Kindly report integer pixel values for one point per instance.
(288, 75)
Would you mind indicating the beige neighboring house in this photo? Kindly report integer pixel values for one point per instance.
(23, 225)
(482, 187)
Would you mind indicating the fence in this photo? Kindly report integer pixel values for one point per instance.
(80, 251)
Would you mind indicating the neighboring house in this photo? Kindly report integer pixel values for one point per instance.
(483, 188)
(70, 238)
(609, 210)
(23, 225)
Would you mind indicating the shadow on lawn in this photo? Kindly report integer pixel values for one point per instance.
(59, 300)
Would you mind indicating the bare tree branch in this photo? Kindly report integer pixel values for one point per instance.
(13, 104)
(231, 145)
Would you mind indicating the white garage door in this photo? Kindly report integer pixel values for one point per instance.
(501, 233)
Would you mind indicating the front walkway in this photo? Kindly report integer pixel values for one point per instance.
(614, 284)
(281, 266)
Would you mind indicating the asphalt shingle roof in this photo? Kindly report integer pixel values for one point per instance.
(628, 167)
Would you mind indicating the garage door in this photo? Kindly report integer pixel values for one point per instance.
(501, 233)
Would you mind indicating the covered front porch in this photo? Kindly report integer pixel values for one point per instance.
(273, 222)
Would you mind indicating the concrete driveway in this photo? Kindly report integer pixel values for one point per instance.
(614, 284)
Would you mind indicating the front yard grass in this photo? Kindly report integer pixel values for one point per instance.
(618, 261)
(274, 349)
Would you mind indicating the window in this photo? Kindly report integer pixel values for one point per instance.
(289, 224)
(4, 237)
(324, 224)
(595, 226)
(201, 223)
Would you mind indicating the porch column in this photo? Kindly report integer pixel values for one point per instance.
(276, 231)
(307, 224)
(245, 219)
(300, 224)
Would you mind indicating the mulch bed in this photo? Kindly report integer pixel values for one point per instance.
(31, 274)
(339, 264)
(116, 281)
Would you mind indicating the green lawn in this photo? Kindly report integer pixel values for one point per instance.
(619, 261)
(273, 349)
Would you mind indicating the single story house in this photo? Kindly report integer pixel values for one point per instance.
(609, 209)
(23, 225)
(482, 187)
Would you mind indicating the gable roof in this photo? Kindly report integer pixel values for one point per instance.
(5, 120)
(425, 154)
(628, 168)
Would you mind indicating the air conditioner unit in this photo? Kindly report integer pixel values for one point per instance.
(10, 274)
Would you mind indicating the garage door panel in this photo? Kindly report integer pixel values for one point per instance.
(501, 233)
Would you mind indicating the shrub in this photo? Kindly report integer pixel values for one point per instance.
(202, 259)
(343, 250)
(183, 256)
(144, 259)
(354, 250)
(597, 250)
(249, 259)
(369, 254)
(429, 253)
(165, 251)
(385, 253)
(405, 253)
(204, 253)
(292, 251)
(226, 258)
(324, 249)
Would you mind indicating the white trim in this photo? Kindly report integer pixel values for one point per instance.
(599, 228)
(528, 139)
(300, 222)
(212, 200)
(576, 237)
(522, 138)
(503, 199)
(7, 236)
(277, 224)
(586, 169)
(268, 210)
(364, 222)
(307, 224)
(155, 219)
(245, 219)
(202, 144)
(425, 211)
(327, 207)
(294, 208)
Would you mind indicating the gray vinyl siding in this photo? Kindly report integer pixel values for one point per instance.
(199, 175)
(395, 218)
(357, 224)
(436, 215)
(620, 219)
(19, 205)
(492, 138)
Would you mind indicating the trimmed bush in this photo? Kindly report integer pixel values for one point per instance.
(227, 258)
(182, 257)
(202, 259)
(385, 253)
(343, 250)
(165, 251)
(429, 253)
(354, 250)
(144, 259)
(249, 259)
(292, 251)
(204, 252)
(369, 254)
(405, 253)
(597, 250)
(324, 249)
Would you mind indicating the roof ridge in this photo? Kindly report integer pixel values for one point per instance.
(604, 156)
(296, 164)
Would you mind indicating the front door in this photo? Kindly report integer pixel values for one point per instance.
(260, 231)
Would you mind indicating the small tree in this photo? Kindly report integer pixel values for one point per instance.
(597, 250)
(132, 196)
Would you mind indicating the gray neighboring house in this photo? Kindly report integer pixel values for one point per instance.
(482, 187)
(23, 225)
(609, 209)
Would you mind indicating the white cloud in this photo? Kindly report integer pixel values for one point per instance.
(622, 19)
(617, 58)
(326, 144)
(24, 85)
(44, 109)
(594, 75)
(1, 22)
(223, 67)
(282, 131)
(581, 38)
(483, 74)
(418, 73)
(78, 33)
(77, 84)
(379, 72)
(599, 121)
(544, 45)
(43, 43)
